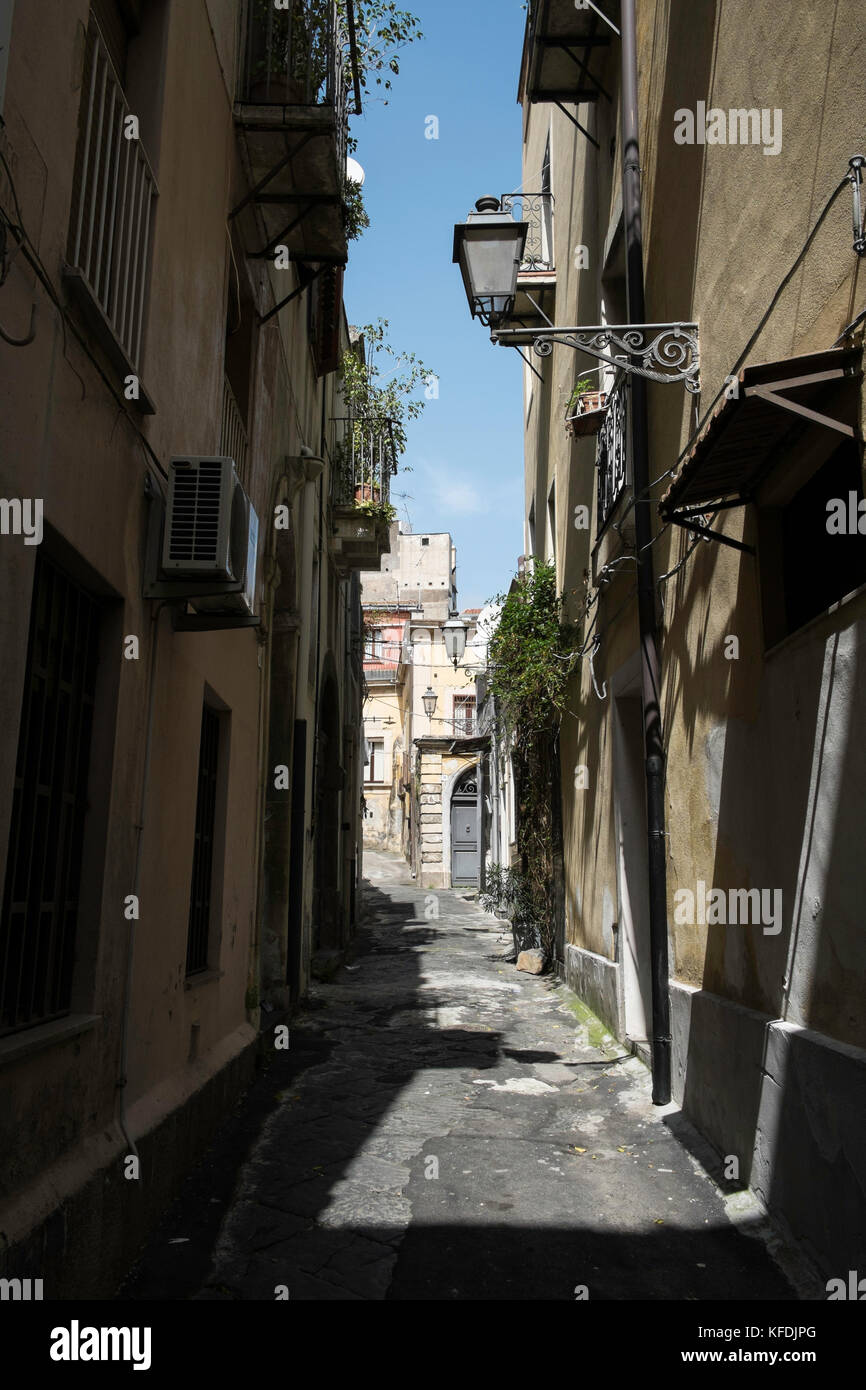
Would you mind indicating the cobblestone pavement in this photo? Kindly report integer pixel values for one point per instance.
(454, 1135)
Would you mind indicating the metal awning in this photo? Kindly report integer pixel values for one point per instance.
(776, 403)
(558, 47)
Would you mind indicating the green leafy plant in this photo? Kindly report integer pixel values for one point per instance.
(531, 654)
(508, 892)
(374, 394)
(377, 511)
(585, 384)
(291, 48)
(531, 657)
(354, 213)
(382, 32)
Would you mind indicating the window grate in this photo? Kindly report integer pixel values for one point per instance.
(202, 863)
(233, 435)
(113, 196)
(40, 902)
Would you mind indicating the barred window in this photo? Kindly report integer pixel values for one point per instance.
(40, 902)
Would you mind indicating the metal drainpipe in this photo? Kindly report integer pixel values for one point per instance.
(650, 687)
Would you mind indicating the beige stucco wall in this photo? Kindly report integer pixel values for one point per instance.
(762, 757)
(383, 815)
(64, 440)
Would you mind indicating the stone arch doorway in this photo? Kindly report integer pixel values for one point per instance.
(465, 838)
(328, 840)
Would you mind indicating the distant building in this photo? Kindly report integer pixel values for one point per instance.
(415, 759)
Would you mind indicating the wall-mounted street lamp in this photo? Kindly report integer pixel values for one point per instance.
(454, 633)
(489, 247)
(428, 700)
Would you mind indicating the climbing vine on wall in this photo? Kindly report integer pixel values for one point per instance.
(532, 655)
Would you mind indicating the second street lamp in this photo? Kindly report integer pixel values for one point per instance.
(428, 699)
(489, 247)
(454, 633)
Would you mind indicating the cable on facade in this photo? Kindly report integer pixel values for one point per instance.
(669, 472)
(843, 183)
(595, 646)
(851, 328)
(31, 255)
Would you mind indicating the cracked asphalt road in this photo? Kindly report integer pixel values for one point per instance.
(450, 1134)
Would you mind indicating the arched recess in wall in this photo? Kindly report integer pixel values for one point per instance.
(461, 826)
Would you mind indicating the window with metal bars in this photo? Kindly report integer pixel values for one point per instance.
(43, 869)
(113, 195)
(198, 936)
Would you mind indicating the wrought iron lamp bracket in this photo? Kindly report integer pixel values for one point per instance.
(660, 351)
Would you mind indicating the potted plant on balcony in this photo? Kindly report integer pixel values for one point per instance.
(586, 409)
(378, 406)
(288, 52)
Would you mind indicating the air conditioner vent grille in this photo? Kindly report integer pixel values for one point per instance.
(195, 519)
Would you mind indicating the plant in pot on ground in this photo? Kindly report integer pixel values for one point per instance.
(508, 894)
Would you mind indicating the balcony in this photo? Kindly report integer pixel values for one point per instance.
(363, 462)
(114, 191)
(612, 455)
(291, 116)
(558, 47)
(536, 278)
(536, 210)
(383, 672)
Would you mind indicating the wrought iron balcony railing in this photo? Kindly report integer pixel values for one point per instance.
(295, 57)
(611, 455)
(536, 210)
(363, 462)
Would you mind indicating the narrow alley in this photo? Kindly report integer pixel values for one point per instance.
(454, 1133)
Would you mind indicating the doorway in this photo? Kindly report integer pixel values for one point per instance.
(632, 870)
(328, 934)
(464, 830)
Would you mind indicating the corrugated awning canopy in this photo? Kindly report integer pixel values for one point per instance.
(559, 44)
(776, 403)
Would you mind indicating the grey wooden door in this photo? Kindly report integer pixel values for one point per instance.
(464, 831)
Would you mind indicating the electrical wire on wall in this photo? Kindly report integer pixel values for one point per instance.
(593, 639)
(28, 250)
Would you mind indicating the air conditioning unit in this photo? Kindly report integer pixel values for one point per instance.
(211, 533)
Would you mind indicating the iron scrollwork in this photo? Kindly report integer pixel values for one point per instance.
(659, 351)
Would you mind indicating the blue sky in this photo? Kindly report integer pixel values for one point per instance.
(466, 450)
